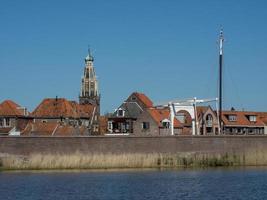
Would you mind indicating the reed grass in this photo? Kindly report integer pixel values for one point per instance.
(108, 161)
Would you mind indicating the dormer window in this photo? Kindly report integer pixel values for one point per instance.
(252, 118)
(120, 112)
(232, 118)
(165, 123)
(133, 98)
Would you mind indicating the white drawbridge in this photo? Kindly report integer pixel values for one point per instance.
(189, 105)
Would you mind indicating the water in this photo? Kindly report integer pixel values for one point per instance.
(241, 183)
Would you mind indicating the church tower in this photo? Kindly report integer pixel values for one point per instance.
(89, 87)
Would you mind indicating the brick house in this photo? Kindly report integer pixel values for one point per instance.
(244, 122)
(13, 118)
(137, 116)
(155, 121)
(65, 113)
(207, 121)
(122, 120)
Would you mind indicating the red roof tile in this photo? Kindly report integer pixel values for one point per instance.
(202, 109)
(39, 128)
(143, 98)
(160, 114)
(52, 129)
(5, 130)
(241, 118)
(60, 107)
(10, 108)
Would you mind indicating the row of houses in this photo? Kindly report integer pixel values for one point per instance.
(135, 116)
(138, 116)
(58, 116)
(52, 117)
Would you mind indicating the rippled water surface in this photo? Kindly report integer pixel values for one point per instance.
(249, 183)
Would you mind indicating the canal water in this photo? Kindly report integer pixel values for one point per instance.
(207, 184)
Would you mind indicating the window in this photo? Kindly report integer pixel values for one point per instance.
(44, 121)
(87, 73)
(7, 122)
(252, 118)
(95, 128)
(120, 112)
(1, 122)
(166, 124)
(209, 120)
(110, 125)
(232, 118)
(145, 125)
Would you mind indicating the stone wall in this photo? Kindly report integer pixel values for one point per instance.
(254, 145)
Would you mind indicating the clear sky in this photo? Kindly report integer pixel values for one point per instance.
(165, 49)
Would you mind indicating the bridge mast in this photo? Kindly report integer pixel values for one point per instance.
(221, 40)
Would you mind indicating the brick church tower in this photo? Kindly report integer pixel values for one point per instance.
(89, 87)
(89, 94)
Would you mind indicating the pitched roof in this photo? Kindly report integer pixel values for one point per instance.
(67, 130)
(60, 107)
(160, 114)
(10, 108)
(144, 99)
(52, 129)
(39, 128)
(241, 118)
(202, 109)
(5, 130)
(84, 110)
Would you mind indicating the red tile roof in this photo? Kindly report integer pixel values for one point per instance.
(143, 98)
(52, 129)
(160, 114)
(39, 128)
(241, 118)
(64, 130)
(60, 107)
(5, 131)
(202, 109)
(10, 108)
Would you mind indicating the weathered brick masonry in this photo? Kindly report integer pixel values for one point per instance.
(255, 146)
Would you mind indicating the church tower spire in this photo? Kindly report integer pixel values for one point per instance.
(89, 93)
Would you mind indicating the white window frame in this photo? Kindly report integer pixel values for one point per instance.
(120, 110)
(252, 118)
(232, 118)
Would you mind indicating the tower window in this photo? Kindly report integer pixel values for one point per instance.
(87, 73)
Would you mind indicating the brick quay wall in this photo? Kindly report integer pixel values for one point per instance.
(248, 150)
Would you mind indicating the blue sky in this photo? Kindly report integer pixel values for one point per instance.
(165, 49)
